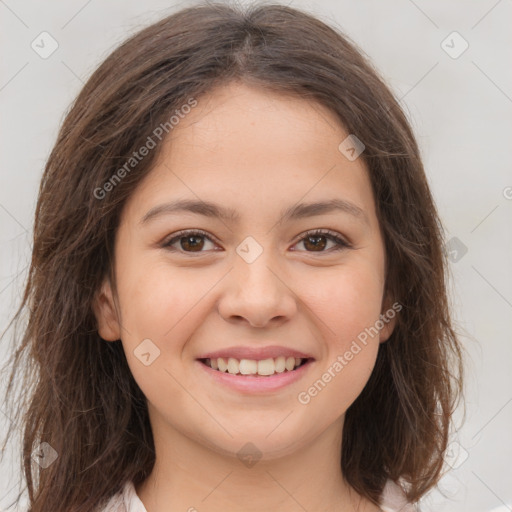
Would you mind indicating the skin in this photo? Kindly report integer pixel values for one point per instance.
(257, 152)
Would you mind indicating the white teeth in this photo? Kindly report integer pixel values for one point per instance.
(267, 367)
(264, 367)
(233, 366)
(290, 363)
(280, 364)
(222, 364)
(248, 367)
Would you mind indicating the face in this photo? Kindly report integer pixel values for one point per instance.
(259, 278)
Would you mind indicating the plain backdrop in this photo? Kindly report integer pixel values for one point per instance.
(447, 62)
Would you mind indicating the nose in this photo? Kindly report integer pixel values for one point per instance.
(257, 293)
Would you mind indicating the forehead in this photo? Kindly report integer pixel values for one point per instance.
(253, 119)
(250, 149)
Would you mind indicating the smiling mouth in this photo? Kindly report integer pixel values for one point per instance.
(254, 368)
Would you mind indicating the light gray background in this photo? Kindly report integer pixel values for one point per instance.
(460, 109)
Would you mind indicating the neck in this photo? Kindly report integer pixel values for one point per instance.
(190, 476)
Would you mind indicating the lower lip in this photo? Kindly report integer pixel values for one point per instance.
(256, 384)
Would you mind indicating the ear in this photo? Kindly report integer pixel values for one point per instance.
(388, 316)
(105, 312)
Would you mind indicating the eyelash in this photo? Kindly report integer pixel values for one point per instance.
(332, 235)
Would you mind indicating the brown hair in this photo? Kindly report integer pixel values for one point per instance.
(76, 390)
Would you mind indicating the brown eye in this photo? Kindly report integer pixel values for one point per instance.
(189, 241)
(192, 242)
(315, 242)
(318, 240)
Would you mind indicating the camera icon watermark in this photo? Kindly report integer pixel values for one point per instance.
(455, 249)
(249, 454)
(249, 250)
(454, 45)
(44, 455)
(351, 147)
(455, 455)
(146, 352)
(44, 45)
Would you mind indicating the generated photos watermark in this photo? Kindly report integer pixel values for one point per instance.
(342, 360)
(137, 156)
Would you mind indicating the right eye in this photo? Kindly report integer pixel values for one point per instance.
(189, 240)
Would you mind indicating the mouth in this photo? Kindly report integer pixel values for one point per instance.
(263, 368)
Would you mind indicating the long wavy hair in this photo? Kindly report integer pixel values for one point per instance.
(69, 388)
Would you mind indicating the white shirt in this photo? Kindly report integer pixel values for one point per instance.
(393, 500)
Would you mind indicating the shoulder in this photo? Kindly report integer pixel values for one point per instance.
(125, 501)
(393, 499)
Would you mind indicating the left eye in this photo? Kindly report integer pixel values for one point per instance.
(316, 239)
(190, 241)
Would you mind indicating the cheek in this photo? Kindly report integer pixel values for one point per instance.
(343, 371)
(158, 300)
(346, 300)
(346, 306)
(161, 305)
(165, 306)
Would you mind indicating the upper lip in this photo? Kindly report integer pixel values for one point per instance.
(257, 353)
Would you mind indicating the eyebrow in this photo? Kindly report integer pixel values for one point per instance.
(298, 211)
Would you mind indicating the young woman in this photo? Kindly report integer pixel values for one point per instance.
(237, 296)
